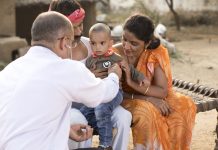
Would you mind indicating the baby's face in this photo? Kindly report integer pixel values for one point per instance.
(100, 42)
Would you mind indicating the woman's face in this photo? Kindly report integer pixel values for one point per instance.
(132, 46)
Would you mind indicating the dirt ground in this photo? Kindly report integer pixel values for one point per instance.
(196, 60)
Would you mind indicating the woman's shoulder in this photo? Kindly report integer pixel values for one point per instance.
(160, 54)
(118, 48)
(160, 50)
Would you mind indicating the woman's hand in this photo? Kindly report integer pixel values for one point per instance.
(100, 73)
(161, 105)
(80, 132)
(125, 67)
(145, 82)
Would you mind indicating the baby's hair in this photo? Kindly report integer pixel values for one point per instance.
(100, 27)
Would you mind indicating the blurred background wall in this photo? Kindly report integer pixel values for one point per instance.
(27, 11)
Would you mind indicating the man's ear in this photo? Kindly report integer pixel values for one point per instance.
(62, 44)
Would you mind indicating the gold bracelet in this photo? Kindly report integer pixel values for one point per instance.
(132, 96)
(146, 90)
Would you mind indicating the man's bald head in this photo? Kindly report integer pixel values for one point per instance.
(49, 26)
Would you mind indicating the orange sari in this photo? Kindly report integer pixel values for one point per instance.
(149, 127)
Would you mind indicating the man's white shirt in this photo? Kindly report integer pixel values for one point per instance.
(36, 92)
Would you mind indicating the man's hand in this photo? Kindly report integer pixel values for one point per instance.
(115, 69)
(80, 132)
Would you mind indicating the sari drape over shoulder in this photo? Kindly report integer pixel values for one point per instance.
(149, 127)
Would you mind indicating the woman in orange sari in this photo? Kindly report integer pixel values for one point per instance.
(162, 118)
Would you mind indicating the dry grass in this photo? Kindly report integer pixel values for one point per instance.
(190, 33)
(191, 18)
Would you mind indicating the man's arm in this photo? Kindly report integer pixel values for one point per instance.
(89, 90)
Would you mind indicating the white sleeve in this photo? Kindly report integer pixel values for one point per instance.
(87, 89)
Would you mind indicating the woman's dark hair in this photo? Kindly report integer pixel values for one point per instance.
(65, 7)
(143, 28)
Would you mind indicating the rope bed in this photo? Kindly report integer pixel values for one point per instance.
(204, 97)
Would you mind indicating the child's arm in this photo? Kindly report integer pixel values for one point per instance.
(99, 73)
(139, 77)
(141, 89)
(116, 58)
(89, 63)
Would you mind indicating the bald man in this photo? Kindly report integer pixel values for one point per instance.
(37, 89)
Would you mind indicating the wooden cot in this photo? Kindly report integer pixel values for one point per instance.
(204, 97)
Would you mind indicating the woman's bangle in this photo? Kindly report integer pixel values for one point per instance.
(146, 90)
(132, 96)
